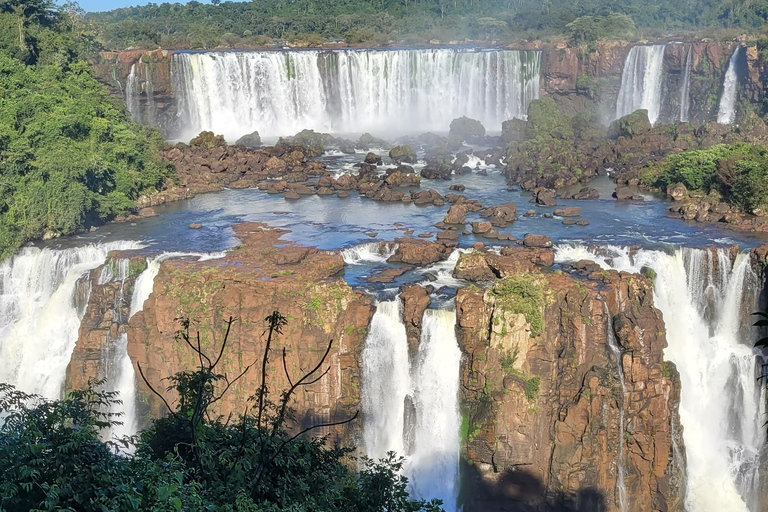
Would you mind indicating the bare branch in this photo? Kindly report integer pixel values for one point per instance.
(223, 343)
(285, 369)
(141, 372)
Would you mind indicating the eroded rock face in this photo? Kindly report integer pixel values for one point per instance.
(261, 276)
(542, 399)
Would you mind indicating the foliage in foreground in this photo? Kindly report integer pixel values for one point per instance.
(69, 154)
(737, 173)
(51, 457)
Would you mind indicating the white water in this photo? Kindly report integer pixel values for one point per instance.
(132, 91)
(621, 489)
(685, 92)
(443, 271)
(371, 252)
(706, 302)
(40, 314)
(433, 465)
(641, 82)
(382, 91)
(385, 381)
(135, 86)
(727, 111)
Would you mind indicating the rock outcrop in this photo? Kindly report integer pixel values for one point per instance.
(259, 277)
(542, 398)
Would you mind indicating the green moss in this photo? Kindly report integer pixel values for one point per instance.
(508, 360)
(665, 368)
(315, 304)
(136, 267)
(522, 294)
(532, 388)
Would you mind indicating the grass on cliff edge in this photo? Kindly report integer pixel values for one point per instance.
(524, 295)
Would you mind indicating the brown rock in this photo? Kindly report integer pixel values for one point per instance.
(540, 241)
(570, 211)
(481, 227)
(457, 214)
(677, 192)
(291, 194)
(195, 225)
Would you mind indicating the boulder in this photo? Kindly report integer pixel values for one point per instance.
(457, 214)
(291, 194)
(481, 227)
(427, 197)
(251, 141)
(373, 159)
(437, 171)
(570, 211)
(464, 128)
(195, 225)
(677, 192)
(402, 179)
(539, 241)
(403, 154)
(586, 193)
(545, 197)
(626, 194)
(500, 215)
(458, 187)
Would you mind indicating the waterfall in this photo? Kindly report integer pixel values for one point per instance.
(433, 464)
(727, 111)
(42, 301)
(132, 92)
(375, 252)
(706, 301)
(385, 381)
(346, 91)
(427, 430)
(685, 92)
(641, 82)
(621, 489)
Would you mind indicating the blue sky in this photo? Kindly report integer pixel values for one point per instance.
(108, 5)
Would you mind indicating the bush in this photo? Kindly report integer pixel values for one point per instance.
(522, 294)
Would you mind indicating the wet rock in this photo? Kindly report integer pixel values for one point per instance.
(540, 241)
(373, 159)
(325, 191)
(586, 193)
(569, 222)
(530, 213)
(626, 194)
(448, 235)
(427, 196)
(570, 211)
(437, 172)
(458, 187)
(491, 234)
(677, 192)
(386, 275)
(500, 215)
(291, 194)
(582, 222)
(418, 252)
(301, 189)
(403, 154)
(457, 214)
(401, 179)
(195, 225)
(346, 182)
(545, 197)
(341, 194)
(464, 128)
(415, 300)
(481, 227)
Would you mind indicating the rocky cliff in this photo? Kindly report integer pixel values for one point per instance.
(261, 276)
(579, 79)
(547, 423)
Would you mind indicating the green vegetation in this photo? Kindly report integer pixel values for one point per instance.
(508, 360)
(737, 172)
(69, 155)
(532, 388)
(243, 24)
(51, 457)
(522, 294)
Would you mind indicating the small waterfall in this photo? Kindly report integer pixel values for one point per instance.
(132, 92)
(685, 92)
(641, 82)
(385, 381)
(727, 111)
(397, 91)
(41, 306)
(433, 464)
(706, 301)
(621, 489)
(374, 252)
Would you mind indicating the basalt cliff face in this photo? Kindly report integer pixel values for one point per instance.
(579, 79)
(565, 398)
(261, 276)
(548, 423)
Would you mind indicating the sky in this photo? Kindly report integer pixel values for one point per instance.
(108, 5)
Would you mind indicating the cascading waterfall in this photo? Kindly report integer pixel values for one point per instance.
(706, 301)
(685, 92)
(281, 93)
(385, 381)
(433, 464)
(641, 82)
(374, 252)
(726, 114)
(132, 91)
(621, 489)
(428, 433)
(41, 306)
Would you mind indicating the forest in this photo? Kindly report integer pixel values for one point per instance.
(196, 25)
